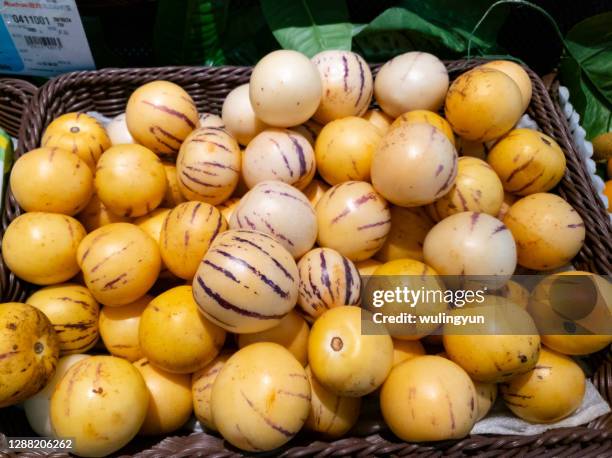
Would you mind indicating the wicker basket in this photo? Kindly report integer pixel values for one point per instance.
(107, 91)
(14, 97)
(15, 94)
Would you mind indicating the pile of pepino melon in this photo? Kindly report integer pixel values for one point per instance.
(188, 263)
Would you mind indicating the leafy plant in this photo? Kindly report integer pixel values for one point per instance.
(585, 66)
(309, 26)
(587, 72)
(399, 30)
(437, 26)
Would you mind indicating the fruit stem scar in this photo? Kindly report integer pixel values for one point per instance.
(75, 130)
(38, 348)
(337, 344)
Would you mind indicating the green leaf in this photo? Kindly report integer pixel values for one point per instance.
(462, 19)
(399, 30)
(433, 26)
(587, 72)
(309, 26)
(595, 111)
(357, 28)
(244, 34)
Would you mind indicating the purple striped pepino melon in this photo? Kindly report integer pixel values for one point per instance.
(477, 188)
(344, 150)
(285, 88)
(208, 165)
(414, 165)
(527, 162)
(247, 282)
(353, 219)
(281, 155)
(281, 211)
(238, 116)
(120, 263)
(130, 180)
(411, 81)
(186, 235)
(73, 312)
(174, 336)
(79, 133)
(261, 397)
(160, 115)
(327, 279)
(41, 247)
(29, 348)
(347, 85)
(470, 243)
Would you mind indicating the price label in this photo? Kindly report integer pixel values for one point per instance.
(42, 38)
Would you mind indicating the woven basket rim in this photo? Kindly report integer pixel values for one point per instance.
(15, 95)
(576, 187)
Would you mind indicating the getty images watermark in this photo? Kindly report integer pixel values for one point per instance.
(418, 305)
(407, 297)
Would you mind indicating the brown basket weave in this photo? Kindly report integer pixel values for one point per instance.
(14, 97)
(107, 91)
(15, 94)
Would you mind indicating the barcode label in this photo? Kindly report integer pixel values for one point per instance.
(42, 38)
(43, 42)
